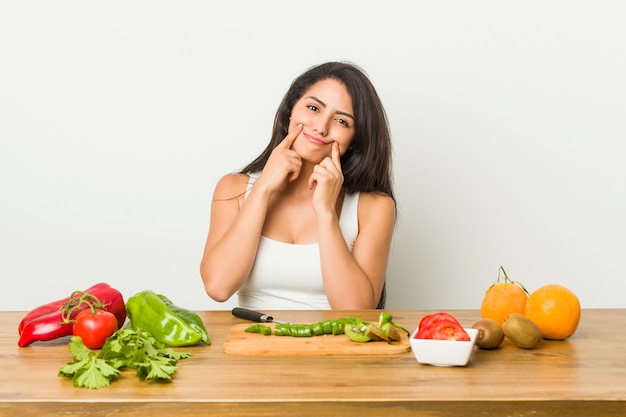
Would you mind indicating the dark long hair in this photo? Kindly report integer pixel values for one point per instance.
(366, 164)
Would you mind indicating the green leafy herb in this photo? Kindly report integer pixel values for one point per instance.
(131, 348)
(87, 370)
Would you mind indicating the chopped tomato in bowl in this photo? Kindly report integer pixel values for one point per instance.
(441, 326)
(441, 340)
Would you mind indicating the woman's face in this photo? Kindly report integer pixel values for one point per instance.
(325, 111)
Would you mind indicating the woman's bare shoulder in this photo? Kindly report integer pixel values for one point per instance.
(376, 205)
(231, 186)
(376, 201)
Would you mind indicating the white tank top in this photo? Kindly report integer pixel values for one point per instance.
(288, 276)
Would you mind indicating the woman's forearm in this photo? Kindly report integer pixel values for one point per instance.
(355, 279)
(228, 258)
(346, 284)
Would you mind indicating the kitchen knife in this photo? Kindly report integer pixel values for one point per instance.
(244, 313)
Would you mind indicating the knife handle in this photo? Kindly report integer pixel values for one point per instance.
(244, 313)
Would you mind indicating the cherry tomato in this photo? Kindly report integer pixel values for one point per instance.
(94, 329)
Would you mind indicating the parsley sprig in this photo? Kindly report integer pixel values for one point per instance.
(131, 348)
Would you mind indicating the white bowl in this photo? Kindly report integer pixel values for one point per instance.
(443, 352)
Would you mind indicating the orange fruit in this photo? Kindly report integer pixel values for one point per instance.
(502, 299)
(555, 310)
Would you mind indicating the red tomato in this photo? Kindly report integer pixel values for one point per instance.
(428, 322)
(441, 326)
(449, 330)
(94, 329)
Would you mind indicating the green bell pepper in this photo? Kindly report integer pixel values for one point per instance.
(147, 311)
(189, 316)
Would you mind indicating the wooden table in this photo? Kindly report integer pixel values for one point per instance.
(583, 376)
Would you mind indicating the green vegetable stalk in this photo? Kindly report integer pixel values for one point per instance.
(169, 324)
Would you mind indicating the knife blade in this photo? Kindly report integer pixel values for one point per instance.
(244, 313)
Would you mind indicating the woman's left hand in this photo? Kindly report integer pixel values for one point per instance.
(326, 182)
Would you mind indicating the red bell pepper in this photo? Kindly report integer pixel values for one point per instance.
(50, 321)
(52, 307)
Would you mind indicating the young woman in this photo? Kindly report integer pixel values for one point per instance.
(308, 224)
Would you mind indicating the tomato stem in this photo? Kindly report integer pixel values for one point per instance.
(77, 299)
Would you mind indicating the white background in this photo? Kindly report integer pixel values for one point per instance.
(508, 123)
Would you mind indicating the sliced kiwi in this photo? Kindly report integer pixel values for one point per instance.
(490, 334)
(392, 332)
(357, 332)
(376, 334)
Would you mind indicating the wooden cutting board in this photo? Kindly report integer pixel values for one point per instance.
(238, 342)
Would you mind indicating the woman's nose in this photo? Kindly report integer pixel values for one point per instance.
(321, 127)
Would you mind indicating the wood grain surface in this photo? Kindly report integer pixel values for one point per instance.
(582, 376)
(239, 342)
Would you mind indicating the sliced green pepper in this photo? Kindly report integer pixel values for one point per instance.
(327, 327)
(282, 329)
(387, 318)
(336, 328)
(331, 327)
(259, 328)
(301, 330)
(317, 329)
(150, 313)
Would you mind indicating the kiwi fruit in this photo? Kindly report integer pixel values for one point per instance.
(376, 334)
(490, 334)
(522, 331)
(357, 332)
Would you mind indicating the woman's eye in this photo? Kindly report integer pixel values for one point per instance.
(343, 122)
(313, 107)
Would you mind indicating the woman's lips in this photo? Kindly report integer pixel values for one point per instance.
(315, 140)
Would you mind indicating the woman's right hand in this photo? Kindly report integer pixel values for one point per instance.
(283, 165)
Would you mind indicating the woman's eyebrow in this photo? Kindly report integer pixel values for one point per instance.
(343, 113)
